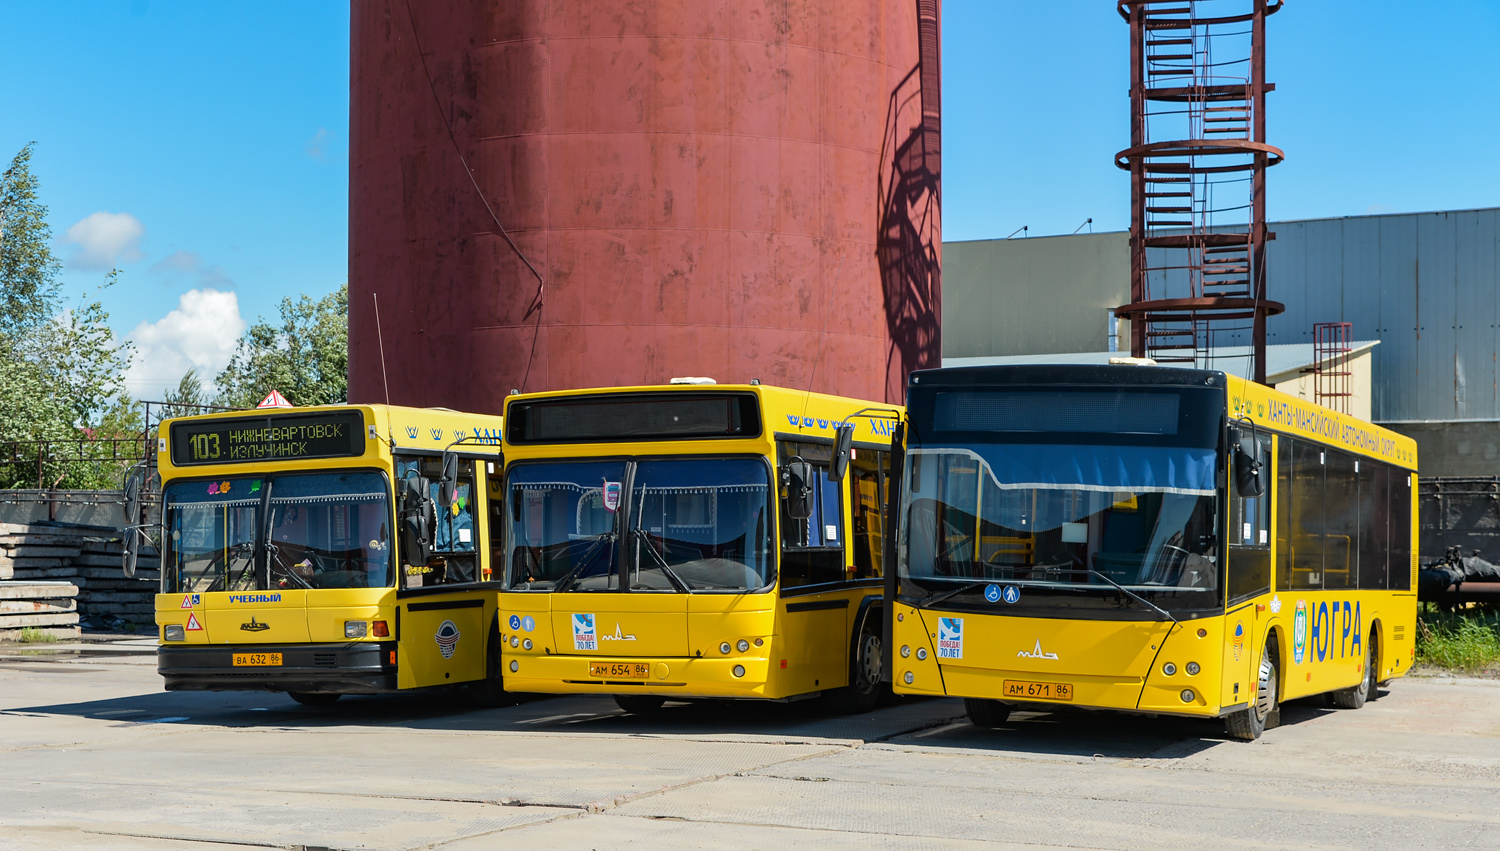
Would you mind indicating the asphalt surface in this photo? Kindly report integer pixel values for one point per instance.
(94, 755)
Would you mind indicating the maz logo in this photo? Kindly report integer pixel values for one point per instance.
(618, 636)
(255, 625)
(1037, 653)
(412, 432)
(437, 434)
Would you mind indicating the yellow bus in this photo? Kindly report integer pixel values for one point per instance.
(325, 551)
(695, 541)
(1147, 539)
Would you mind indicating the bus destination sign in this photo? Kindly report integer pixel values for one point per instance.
(277, 437)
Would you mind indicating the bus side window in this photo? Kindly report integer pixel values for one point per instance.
(454, 553)
(812, 550)
(1250, 539)
(866, 498)
(495, 500)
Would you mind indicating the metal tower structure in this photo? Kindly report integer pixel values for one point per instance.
(1197, 161)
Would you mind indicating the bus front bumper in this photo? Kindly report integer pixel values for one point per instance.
(346, 668)
(670, 677)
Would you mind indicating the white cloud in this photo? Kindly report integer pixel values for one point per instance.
(201, 332)
(103, 239)
(318, 145)
(189, 264)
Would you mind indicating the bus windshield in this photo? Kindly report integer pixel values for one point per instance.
(1097, 502)
(695, 525)
(287, 531)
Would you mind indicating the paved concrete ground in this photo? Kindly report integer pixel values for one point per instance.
(94, 755)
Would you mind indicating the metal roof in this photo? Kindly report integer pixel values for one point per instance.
(1284, 361)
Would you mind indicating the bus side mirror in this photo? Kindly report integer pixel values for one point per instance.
(796, 483)
(416, 521)
(448, 485)
(1249, 475)
(132, 501)
(843, 445)
(131, 551)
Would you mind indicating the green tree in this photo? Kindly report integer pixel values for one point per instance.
(306, 357)
(28, 268)
(186, 398)
(62, 369)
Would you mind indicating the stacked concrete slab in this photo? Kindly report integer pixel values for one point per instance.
(87, 557)
(38, 607)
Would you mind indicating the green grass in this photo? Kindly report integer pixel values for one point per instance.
(1467, 641)
(32, 635)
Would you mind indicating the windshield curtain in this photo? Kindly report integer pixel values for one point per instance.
(304, 530)
(1065, 527)
(696, 525)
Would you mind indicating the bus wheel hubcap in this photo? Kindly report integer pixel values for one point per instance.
(871, 661)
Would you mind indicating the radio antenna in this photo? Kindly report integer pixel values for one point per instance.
(380, 337)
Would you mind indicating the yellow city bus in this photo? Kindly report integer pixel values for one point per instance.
(1147, 539)
(695, 541)
(325, 551)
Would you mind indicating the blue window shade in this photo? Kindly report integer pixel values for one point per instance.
(1106, 468)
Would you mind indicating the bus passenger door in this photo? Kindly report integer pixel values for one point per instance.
(816, 604)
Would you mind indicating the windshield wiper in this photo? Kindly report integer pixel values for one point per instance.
(572, 576)
(1133, 595)
(933, 601)
(661, 561)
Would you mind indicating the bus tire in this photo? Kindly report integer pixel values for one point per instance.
(639, 704)
(1354, 698)
(1248, 723)
(313, 698)
(986, 713)
(863, 690)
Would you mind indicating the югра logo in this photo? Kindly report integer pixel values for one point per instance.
(447, 638)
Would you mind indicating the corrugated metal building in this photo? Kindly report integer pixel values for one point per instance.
(1423, 284)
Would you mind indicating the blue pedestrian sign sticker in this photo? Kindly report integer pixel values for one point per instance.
(992, 593)
(1012, 594)
(515, 621)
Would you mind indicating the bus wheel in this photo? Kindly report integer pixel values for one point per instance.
(308, 698)
(986, 713)
(639, 704)
(490, 693)
(1354, 698)
(1250, 722)
(863, 690)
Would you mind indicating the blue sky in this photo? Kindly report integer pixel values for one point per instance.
(202, 147)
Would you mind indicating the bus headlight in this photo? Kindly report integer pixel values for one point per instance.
(514, 641)
(739, 670)
(1187, 695)
(526, 645)
(909, 677)
(355, 629)
(724, 648)
(1169, 669)
(1193, 669)
(742, 645)
(905, 651)
(174, 632)
(922, 653)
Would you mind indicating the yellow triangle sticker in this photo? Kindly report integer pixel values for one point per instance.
(192, 623)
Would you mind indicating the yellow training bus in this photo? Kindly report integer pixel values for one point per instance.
(328, 550)
(1147, 539)
(694, 541)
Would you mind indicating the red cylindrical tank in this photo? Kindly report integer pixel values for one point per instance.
(738, 189)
